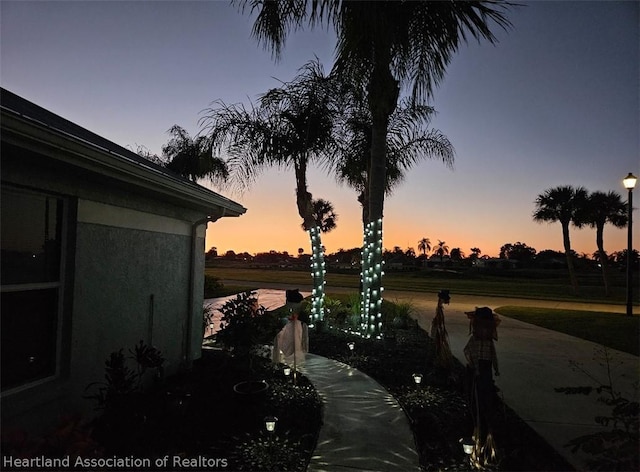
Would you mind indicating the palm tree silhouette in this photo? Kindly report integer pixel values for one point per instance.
(383, 46)
(599, 209)
(562, 204)
(291, 126)
(441, 250)
(475, 253)
(324, 215)
(193, 158)
(424, 245)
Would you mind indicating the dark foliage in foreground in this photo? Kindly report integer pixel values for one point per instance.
(437, 409)
(200, 414)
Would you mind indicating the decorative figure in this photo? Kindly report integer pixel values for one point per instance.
(292, 344)
(481, 356)
(444, 358)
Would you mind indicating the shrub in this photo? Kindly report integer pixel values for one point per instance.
(124, 397)
(245, 324)
(213, 286)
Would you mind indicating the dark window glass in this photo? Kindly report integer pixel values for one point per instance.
(31, 226)
(29, 336)
(31, 285)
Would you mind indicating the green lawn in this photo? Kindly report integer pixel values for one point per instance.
(613, 330)
(549, 286)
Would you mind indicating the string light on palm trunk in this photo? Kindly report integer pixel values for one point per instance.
(318, 271)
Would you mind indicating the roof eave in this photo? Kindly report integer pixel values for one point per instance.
(72, 150)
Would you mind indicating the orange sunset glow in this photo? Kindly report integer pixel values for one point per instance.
(272, 222)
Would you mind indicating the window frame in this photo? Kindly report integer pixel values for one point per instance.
(59, 285)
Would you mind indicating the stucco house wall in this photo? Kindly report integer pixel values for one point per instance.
(131, 244)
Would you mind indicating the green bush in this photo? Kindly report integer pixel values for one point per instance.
(245, 324)
(213, 286)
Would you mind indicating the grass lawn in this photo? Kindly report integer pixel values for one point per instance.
(518, 284)
(613, 330)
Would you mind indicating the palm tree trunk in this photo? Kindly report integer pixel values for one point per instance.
(304, 202)
(318, 272)
(569, 256)
(604, 263)
(383, 97)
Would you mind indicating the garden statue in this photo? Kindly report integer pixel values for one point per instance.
(292, 343)
(480, 353)
(439, 333)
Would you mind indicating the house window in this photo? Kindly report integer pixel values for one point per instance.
(31, 285)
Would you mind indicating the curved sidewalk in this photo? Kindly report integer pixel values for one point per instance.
(364, 428)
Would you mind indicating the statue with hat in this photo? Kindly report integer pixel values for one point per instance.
(482, 362)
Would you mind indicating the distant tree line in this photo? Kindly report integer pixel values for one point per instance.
(519, 253)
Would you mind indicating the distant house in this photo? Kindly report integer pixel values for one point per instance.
(100, 249)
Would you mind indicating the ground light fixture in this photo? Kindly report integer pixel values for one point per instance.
(467, 445)
(417, 378)
(287, 371)
(351, 346)
(629, 183)
(270, 423)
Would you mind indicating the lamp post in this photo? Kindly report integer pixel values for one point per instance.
(629, 183)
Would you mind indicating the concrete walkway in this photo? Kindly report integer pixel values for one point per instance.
(364, 428)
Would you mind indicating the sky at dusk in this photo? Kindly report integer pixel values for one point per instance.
(555, 102)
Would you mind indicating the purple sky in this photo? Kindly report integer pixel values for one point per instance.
(556, 102)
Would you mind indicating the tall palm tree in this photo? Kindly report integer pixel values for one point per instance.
(599, 209)
(291, 126)
(409, 140)
(441, 249)
(562, 204)
(193, 158)
(385, 45)
(424, 245)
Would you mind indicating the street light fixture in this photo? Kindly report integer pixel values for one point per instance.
(629, 183)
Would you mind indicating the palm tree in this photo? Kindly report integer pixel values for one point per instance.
(424, 245)
(193, 158)
(601, 208)
(385, 46)
(291, 126)
(409, 140)
(561, 204)
(456, 254)
(324, 215)
(441, 249)
(475, 253)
